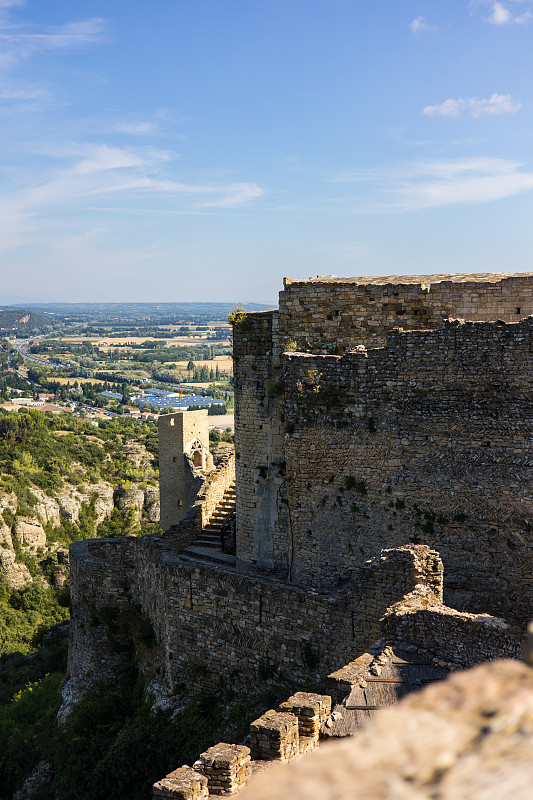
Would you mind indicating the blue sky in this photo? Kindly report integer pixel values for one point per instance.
(203, 149)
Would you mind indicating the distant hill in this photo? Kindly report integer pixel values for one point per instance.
(13, 319)
(138, 313)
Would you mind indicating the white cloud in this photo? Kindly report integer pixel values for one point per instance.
(136, 128)
(103, 171)
(454, 107)
(435, 184)
(503, 13)
(500, 15)
(464, 182)
(18, 42)
(236, 194)
(420, 25)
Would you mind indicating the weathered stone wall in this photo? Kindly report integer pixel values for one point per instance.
(215, 487)
(223, 620)
(429, 431)
(464, 639)
(100, 579)
(338, 313)
(262, 523)
(210, 491)
(180, 476)
(428, 440)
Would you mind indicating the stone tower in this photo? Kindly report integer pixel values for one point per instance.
(183, 453)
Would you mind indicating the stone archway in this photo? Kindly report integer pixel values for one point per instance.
(198, 454)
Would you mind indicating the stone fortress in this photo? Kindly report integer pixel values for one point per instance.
(382, 429)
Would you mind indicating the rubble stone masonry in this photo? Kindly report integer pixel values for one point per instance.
(390, 435)
(373, 435)
(207, 615)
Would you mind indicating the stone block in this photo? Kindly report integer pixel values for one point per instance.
(311, 709)
(226, 767)
(182, 784)
(275, 736)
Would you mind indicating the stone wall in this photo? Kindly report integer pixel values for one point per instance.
(220, 619)
(428, 440)
(100, 579)
(182, 465)
(262, 522)
(339, 313)
(464, 639)
(210, 491)
(423, 438)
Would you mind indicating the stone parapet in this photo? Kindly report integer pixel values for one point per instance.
(182, 784)
(462, 638)
(311, 710)
(335, 314)
(275, 736)
(226, 767)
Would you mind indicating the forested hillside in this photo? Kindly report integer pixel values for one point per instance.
(18, 319)
(63, 479)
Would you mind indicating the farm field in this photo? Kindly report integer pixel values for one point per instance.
(111, 341)
(225, 363)
(63, 381)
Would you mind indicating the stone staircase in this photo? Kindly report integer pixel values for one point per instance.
(208, 546)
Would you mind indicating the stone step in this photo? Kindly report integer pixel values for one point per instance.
(209, 543)
(194, 554)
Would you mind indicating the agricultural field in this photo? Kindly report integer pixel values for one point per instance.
(123, 349)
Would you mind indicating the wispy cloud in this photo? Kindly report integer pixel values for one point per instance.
(21, 41)
(119, 173)
(420, 25)
(455, 107)
(18, 44)
(500, 15)
(136, 128)
(504, 13)
(432, 184)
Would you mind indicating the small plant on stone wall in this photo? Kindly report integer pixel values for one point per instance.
(291, 346)
(266, 667)
(239, 319)
(350, 482)
(275, 387)
(460, 517)
(313, 380)
(310, 656)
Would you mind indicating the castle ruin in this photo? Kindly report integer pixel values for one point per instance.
(379, 423)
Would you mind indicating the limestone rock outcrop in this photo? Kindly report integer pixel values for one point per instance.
(132, 498)
(5, 535)
(137, 454)
(68, 502)
(30, 534)
(151, 503)
(16, 575)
